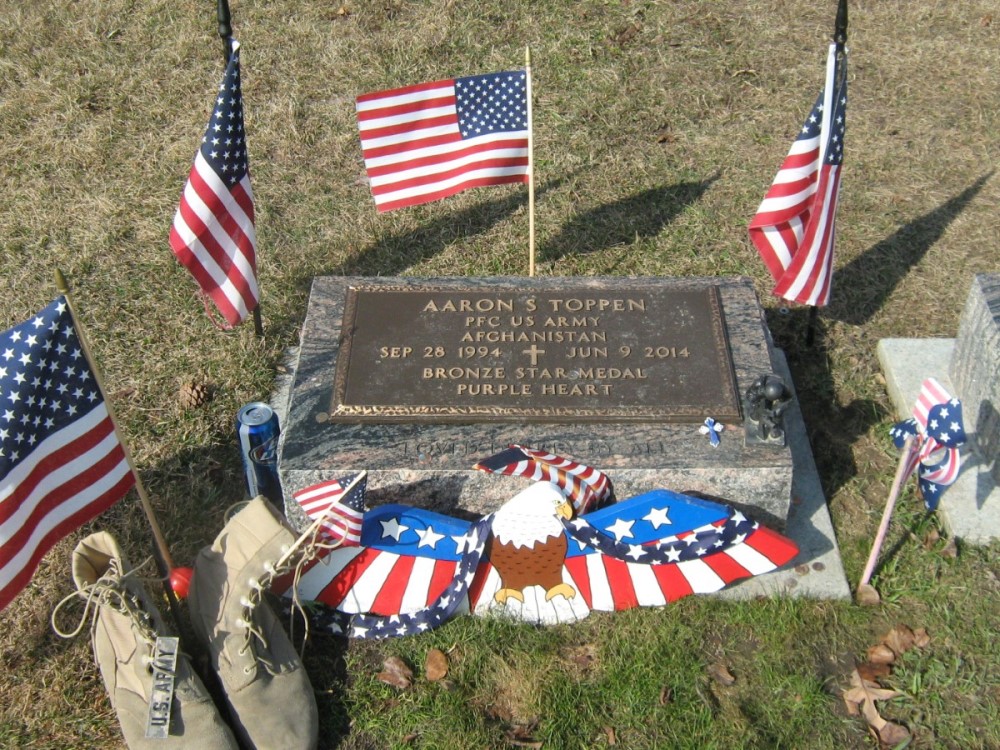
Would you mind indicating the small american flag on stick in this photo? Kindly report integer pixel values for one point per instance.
(213, 233)
(431, 140)
(338, 505)
(793, 229)
(61, 463)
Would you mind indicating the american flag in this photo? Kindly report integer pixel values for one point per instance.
(60, 460)
(213, 232)
(936, 429)
(428, 141)
(794, 226)
(340, 503)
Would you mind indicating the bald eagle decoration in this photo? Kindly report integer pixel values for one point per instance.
(555, 551)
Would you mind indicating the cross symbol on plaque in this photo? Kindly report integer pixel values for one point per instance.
(533, 352)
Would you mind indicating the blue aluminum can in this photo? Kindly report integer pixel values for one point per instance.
(257, 431)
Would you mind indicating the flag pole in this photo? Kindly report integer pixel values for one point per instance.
(909, 446)
(840, 40)
(226, 33)
(164, 562)
(531, 165)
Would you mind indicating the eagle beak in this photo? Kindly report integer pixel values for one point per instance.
(565, 510)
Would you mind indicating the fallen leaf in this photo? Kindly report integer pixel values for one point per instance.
(396, 673)
(893, 735)
(867, 595)
(860, 699)
(870, 671)
(666, 695)
(950, 549)
(931, 538)
(881, 654)
(436, 665)
(721, 674)
(902, 638)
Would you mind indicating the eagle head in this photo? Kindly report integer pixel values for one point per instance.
(532, 516)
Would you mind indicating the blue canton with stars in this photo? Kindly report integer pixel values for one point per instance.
(492, 103)
(224, 144)
(838, 123)
(45, 382)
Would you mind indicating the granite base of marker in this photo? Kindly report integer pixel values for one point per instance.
(970, 508)
(430, 465)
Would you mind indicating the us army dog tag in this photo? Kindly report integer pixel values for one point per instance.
(162, 696)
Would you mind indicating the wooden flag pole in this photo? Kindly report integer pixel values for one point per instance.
(164, 561)
(226, 33)
(864, 594)
(531, 166)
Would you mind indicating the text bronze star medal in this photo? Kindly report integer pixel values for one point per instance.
(448, 354)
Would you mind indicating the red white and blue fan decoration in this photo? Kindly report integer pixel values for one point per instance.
(936, 431)
(536, 558)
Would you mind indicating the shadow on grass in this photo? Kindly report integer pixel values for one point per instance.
(624, 221)
(862, 287)
(833, 429)
(393, 254)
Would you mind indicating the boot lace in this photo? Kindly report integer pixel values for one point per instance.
(109, 590)
(311, 545)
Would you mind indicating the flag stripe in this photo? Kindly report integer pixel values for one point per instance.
(57, 492)
(646, 586)
(389, 599)
(622, 592)
(340, 587)
(672, 582)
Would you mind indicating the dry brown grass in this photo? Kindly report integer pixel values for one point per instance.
(659, 126)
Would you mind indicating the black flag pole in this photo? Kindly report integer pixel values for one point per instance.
(840, 40)
(226, 34)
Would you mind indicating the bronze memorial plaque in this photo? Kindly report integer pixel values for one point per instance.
(446, 354)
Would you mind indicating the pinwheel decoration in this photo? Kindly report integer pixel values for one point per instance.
(935, 432)
(556, 551)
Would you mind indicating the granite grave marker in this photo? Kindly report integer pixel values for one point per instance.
(414, 380)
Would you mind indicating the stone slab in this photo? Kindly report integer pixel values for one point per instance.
(970, 508)
(975, 368)
(431, 465)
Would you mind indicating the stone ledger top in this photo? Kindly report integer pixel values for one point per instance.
(427, 461)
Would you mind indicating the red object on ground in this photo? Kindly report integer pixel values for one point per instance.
(180, 581)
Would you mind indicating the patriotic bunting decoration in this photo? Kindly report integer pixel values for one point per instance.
(937, 431)
(425, 142)
(61, 463)
(793, 228)
(533, 559)
(586, 487)
(213, 233)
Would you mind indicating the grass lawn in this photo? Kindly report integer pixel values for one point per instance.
(658, 128)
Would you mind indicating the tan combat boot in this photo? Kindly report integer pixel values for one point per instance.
(125, 628)
(270, 697)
